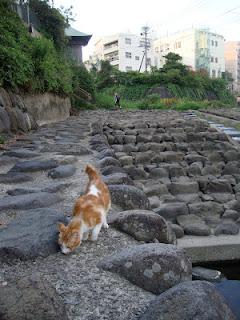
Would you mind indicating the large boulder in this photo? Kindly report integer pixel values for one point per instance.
(53, 188)
(143, 157)
(157, 173)
(193, 225)
(179, 232)
(126, 160)
(171, 211)
(205, 209)
(153, 267)
(136, 172)
(61, 172)
(156, 189)
(35, 165)
(106, 153)
(21, 153)
(118, 178)
(231, 168)
(201, 273)
(67, 149)
(143, 225)
(112, 170)
(183, 187)
(31, 298)
(109, 161)
(14, 177)
(219, 186)
(30, 235)
(227, 227)
(191, 300)
(172, 156)
(128, 197)
(29, 201)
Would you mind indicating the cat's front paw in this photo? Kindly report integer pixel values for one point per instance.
(105, 226)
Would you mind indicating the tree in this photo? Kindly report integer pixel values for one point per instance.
(173, 61)
(172, 58)
(67, 13)
(52, 22)
(106, 75)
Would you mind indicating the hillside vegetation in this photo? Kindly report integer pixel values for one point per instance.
(174, 85)
(38, 64)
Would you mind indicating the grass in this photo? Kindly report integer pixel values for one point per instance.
(106, 101)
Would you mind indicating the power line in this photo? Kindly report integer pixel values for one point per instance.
(226, 12)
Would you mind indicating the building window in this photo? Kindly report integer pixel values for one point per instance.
(216, 43)
(136, 57)
(110, 45)
(149, 61)
(128, 55)
(112, 56)
(212, 59)
(212, 43)
(214, 73)
(128, 41)
(177, 45)
(129, 68)
(219, 73)
(216, 60)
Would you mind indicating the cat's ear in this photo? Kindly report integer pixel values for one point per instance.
(61, 227)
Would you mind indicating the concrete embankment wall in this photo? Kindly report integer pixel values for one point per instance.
(26, 112)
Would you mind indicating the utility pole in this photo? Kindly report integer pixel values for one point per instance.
(145, 43)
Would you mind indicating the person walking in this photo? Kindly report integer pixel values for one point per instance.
(117, 101)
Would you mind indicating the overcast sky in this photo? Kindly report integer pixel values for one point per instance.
(106, 17)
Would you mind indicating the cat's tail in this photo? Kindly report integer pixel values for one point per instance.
(91, 172)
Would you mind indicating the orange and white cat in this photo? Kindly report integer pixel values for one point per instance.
(89, 214)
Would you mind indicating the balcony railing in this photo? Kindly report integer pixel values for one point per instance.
(115, 58)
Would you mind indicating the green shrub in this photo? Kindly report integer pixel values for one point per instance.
(103, 100)
(219, 104)
(82, 79)
(52, 71)
(80, 103)
(16, 67)
(184, 105)
(151, 102)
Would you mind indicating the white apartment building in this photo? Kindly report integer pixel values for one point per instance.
(124, 51)
(232, 60)
(199, 49)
